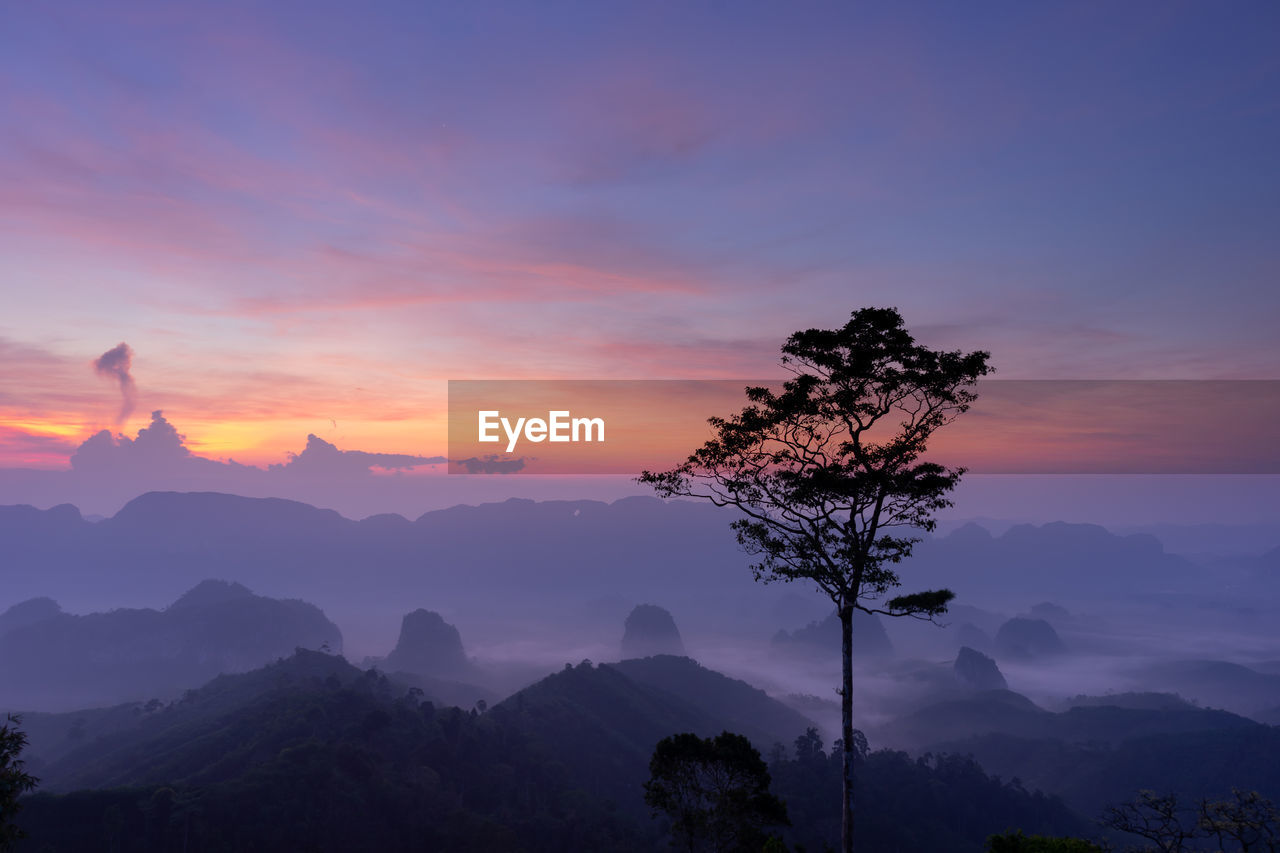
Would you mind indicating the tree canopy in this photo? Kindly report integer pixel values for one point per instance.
(827, 472)
(714, 790)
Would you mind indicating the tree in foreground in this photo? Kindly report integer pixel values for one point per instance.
(828, 473)
(715, 791)
(14, 780)
(1247, 821)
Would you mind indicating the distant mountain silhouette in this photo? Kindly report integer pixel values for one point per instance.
(945, 724)
(1050, 612)
(210, 593)
(978, 671)
(1212, 541)
(1216, 683)
(971, 534)
(548, 559)
(177, 517)
(612, 720)
(628, 706)
(26, 524)
(613, 714)
(869, 637)
(1063, 562)
(138, 745)
(64, 660)
(966, 715)
(1026, 639)
(429, 655)
(27, 613)
(739, 706)
(650, 630)
(970, 635)
(1134, 701)
(1191, 754)
(428, 645)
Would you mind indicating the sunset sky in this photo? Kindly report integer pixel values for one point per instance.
(306, 217)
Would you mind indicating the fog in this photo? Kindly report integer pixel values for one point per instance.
(1085, 659)
(557, 584)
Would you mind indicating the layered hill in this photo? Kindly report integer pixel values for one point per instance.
(312, 753)
(1094, 754)
(52, 659)
(538, 554)
(735, 704)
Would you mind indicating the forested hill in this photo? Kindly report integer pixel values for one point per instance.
(312, 753)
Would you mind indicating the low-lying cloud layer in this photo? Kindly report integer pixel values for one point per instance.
(159, 450)
(109, 469)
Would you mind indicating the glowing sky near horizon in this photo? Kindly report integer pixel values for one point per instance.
(304, 218)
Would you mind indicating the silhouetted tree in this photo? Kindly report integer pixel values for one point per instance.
(1156, 817)
(1247, 819)
(1245, 822)
(716, 792)
(828, 473)
(809, 746)
(14, 780)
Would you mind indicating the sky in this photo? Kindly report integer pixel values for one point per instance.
(304, 218)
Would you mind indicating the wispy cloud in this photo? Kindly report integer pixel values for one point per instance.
(114, 364)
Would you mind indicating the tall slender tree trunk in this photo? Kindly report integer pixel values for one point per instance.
(846, 726)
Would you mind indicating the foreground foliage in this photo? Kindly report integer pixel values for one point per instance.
(1016, 842)
(715, 792)
(14, 779)
(1245, 821)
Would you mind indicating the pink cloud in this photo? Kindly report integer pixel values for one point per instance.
(21, 448)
